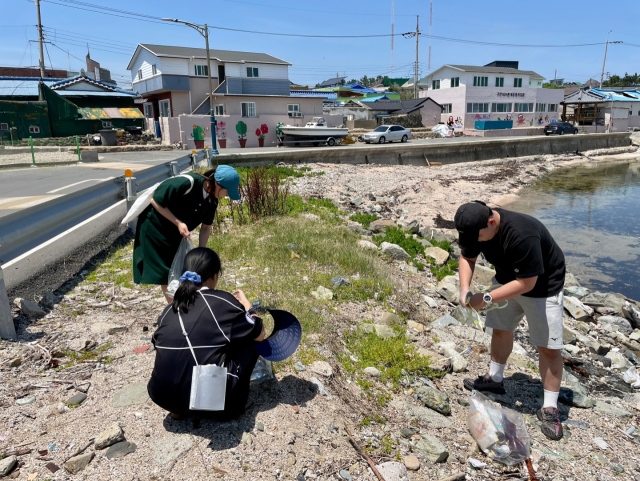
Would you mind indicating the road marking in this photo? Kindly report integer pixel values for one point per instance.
(78, 183)
(116, 165)
(11, 203)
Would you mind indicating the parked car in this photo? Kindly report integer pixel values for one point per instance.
(560, 128)
(387, 133)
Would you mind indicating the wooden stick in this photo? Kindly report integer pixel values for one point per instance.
(79, 451)
(427, 160)
(363, 454)
(532, 472)
(19, 452)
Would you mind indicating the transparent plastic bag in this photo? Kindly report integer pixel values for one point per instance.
(631, 377)
(262, 371)
(176, 266)
(501, 433)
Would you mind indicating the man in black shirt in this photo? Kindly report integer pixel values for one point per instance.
(530, 271)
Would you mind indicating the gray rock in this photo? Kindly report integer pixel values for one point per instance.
(77, 399)
(380, 225)
(169, 449)
(372, 371)
(246, 439)
(31, 309)
(322, 294)
(109, 436)
(570, 280)
(78, 463)
(385, 332)
(588, 341)
(392, 471)
(632, 313)
(425, 243)
(120, 450)
(429, 301)
(321, 389)
(569, 336)
(615, 301)
(23, 401)
(322, 367)
(357, 201)
(412, 227)
(632, 357)
(576, 308)
(434, 399)
(612, 410)
(344, 474)
(438, 254)
(339, 281)
(456, 252)
(133, 394)
(427, 418)
(576, 396)
(483, 275)
(408, 432)
(78, 344)
(575, 291)
(15, 362)
(633, 399)
(394, 251)
(444, 321)
(116, 329)
(463, 316)
(260, 426)
(431, 233)
(7, 464)
(432, 449)
(49, 299)
(299, 367)
(472, 334)
(618, 360)
(449, 288)
(365, 244)
(458, 362)
(624, 326)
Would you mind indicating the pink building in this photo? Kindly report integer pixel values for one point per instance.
(496, 91)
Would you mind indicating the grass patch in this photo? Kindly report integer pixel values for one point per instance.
(364, 219)
(394, 235)
(96, 354)
(116, 268)
(447, 269)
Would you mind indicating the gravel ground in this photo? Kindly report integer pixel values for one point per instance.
(41, 158)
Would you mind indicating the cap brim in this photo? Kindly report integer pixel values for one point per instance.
(285, 338)
(468, 239)
(234, 194)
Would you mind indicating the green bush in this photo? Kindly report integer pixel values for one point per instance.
(394, 235)
(364, 219)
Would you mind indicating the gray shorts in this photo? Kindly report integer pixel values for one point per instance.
(544, 316)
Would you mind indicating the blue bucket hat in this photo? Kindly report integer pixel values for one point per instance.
(285, 338)
(228, 178)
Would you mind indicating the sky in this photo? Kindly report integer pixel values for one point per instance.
(71, 25)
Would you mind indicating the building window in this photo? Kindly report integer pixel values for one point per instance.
(455, 81)
(541, 107)
(252, 71)
(165, 108)
(148, 110)
(4, 126)
(523, 108)
(435, 84)
(499, 81)
(248, 109)
(553, 107)
(517, 82)
(154, 69)
(201, 70)
(139, 74)
(480, 81)
(106, 124)
(293, 110)
(219, 109)
(446, 108)
(34, 129)
(474, 108)
(500, 107)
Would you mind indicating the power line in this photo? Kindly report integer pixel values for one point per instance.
(59, 33)
(316, 11)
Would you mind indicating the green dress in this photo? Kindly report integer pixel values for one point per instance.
(157, 239)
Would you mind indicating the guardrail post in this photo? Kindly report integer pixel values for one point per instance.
(175, 168)
(208, 157)
(33, 157)
(78, 150)
(7, 329)
(131, 193)
(194, 160)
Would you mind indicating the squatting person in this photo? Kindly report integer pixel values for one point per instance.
(178, 207)
(530, 269)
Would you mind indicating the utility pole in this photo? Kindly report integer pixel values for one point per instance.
(415, 80)
(605, 57)
(40, 40)
(430, 26)
(393, 8)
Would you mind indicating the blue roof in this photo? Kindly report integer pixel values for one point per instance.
(373, 99)
(356, 87)
(22, 86)
(314, 94)
(610, 95)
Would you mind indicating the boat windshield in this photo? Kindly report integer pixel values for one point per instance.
(382, 128)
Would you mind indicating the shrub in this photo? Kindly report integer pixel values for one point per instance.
(394, 235)
(263, 194)
(364, 219)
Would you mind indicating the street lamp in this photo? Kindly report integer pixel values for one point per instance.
(204, 31)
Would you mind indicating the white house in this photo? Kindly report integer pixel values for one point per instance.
(496, 91)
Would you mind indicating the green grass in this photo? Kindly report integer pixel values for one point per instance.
(364, 219)
(78, 357)
(447, 269)
(284, 171)
(116, 268)
(395, 235)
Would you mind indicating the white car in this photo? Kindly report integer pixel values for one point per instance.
(387, 133)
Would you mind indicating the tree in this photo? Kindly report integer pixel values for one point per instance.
(549, 85)
(626, 81)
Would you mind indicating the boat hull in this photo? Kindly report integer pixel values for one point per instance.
(313, 134)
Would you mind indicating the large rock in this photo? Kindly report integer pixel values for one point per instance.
(576, 395)
(171, 448)
(394, 251)
(7, 464)
(426, 417)
(365, 244)
(483, 275)
(392, 471)
(588, 341)
(133, 394)
(458, 362)
(615, 301)
(31, 309)
(437, 254)
(618, 360)
(432, 449)
(569, 336)
(612, 410)
(78, 463)
(624, 326)
(445, 321)
(380, 225)
(576, 291)
(570, 280)
(472, 334)
(575, 308)
(449, 288)
(109, 436)
(434, 399)
(120, 450)
(322, 367)
(632, 313)
(412, 227)
(464, 316)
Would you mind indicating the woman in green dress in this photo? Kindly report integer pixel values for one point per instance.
(178, 207)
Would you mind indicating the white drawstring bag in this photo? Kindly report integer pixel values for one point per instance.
(144, 199)
(208, 382)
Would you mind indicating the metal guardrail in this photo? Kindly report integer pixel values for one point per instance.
(31, 227)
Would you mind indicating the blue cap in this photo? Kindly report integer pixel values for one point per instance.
(285, 338)
(228, 178)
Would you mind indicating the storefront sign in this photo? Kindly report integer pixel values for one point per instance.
(510, 94)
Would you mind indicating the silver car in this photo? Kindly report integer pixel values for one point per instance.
(387, 133)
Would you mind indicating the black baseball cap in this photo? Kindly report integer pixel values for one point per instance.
(285, 338)
(470, 219)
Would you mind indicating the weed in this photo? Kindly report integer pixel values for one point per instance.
(364, 219)
(263, 194)
(369, 420)
(396, 236)
(419, 265)
(387, 445)
(78, 357)
(309, 356)
(447, 269)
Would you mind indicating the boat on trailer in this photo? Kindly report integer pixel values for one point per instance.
(315, 132)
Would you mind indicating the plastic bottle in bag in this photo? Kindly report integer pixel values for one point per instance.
(175, 272)
(262, 371)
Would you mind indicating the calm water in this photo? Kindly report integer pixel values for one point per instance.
(593, 212)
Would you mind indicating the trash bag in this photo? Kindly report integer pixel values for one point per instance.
(501, 433)
(632, 377)
(441, 129)
(176, 266)
(262, 371)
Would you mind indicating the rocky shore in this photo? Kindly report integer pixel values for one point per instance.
(74, 400)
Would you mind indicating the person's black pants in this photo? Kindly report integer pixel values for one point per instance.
(244, 357)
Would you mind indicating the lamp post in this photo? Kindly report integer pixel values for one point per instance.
(204, 31)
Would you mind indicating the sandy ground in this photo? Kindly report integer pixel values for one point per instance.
(41, 158)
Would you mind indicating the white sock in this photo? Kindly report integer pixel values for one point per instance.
(496, 371)
(550, 399)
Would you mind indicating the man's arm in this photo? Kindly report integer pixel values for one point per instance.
(509, 291)
(465, 270)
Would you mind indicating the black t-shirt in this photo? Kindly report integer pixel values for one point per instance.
(217, 326)
(523, 248)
